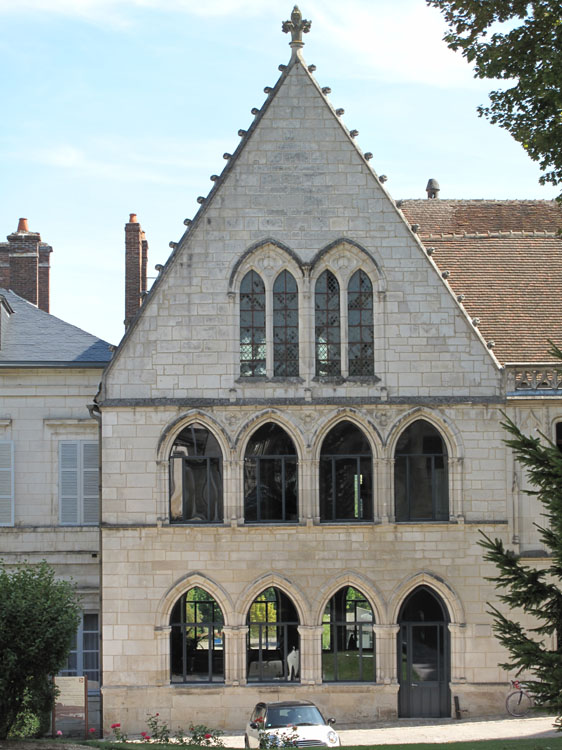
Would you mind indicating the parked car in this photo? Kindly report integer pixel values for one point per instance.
(298, 723)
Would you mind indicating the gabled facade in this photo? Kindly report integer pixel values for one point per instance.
(301, 441)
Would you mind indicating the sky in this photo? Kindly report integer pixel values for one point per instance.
(112, 107)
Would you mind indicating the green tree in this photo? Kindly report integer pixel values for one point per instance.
(535, 591)
(520, 42)
(38, 618)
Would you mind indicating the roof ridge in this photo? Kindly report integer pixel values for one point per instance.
(487, 235)
(479, 200)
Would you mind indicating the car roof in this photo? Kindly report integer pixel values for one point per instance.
(284, 704)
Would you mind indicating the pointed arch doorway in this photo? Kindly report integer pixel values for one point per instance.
(423, 656)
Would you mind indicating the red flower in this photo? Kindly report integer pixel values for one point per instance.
(208, 736)
(157, 714)
(115, 726)
(92, 730)
(143, 734)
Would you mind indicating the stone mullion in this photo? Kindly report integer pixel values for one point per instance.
(455, 465)
(458, 649)
(386, 653)
(162, 637)
(231, 511)
(310, 654)
(307, 510)
(235, 646)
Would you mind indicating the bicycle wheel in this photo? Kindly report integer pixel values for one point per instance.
(518, 703)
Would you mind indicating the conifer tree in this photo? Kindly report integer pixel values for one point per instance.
(537, 591)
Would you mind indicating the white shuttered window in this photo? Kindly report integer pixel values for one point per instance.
(6, 483)
(78, 482)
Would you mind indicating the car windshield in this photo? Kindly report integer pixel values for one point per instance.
(282, 716)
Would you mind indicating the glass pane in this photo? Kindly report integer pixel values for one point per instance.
(252, 326)
(427, 653)
(327, 325)
(285, 326)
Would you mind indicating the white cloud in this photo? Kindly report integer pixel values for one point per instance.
(164, 162)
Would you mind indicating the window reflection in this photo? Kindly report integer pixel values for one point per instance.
(197, 638)
(285, 326)
(273, 647)
(348, 646)
(270, 476)
(421, 475)
(196, 477)
(252, 325)
(346, 475)
(327, 325)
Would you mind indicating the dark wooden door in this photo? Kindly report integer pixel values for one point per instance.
(423, 667)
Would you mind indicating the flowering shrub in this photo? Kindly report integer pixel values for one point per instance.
(201, 735)
(286, 738)
(160, 730)
(117, 733)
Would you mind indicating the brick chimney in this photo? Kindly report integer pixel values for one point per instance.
(25, 265)
(136, 259)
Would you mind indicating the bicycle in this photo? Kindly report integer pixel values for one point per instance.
(518, 702)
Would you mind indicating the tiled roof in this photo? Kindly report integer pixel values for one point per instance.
(31, 337)
(505, 257)
(458, 216)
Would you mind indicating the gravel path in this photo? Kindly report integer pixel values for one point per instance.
(408, 731)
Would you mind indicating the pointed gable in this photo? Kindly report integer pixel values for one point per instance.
(299, 181)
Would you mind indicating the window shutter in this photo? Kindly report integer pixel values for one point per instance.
(6, 483)
(68, 481)
(90, 483)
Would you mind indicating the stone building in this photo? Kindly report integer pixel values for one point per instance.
(301, 436)
(49, 476)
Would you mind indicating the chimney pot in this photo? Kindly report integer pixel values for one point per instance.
(432, 188)
(133, 219)
(23, 226)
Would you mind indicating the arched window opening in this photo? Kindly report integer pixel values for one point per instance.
(196, 638)
(273, 638)
(270, 476)
(346, 475)
(196, 477)
(558, 435)
(285, 326)
(327, 326)
(421, 485)
(348, 644)
(360, 325)
(252, 326)
(423, 656)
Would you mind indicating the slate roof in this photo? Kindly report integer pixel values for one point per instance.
(30, 337)
(505, 257)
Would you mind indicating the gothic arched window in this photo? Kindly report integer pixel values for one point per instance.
(196, 477)
(360, 338)
(273, 648)
(346, 475)
(348, 644)
(327, 333)
(196, 638)
(285, 326)
(252, 326)
(421, 486)
(270, 476)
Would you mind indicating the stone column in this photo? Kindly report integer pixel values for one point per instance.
(162, 637)
(455, 483)
(235, 638)
(310, 654)
(387, 664)
(458, 648)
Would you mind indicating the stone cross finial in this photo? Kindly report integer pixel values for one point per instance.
(297, 26)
